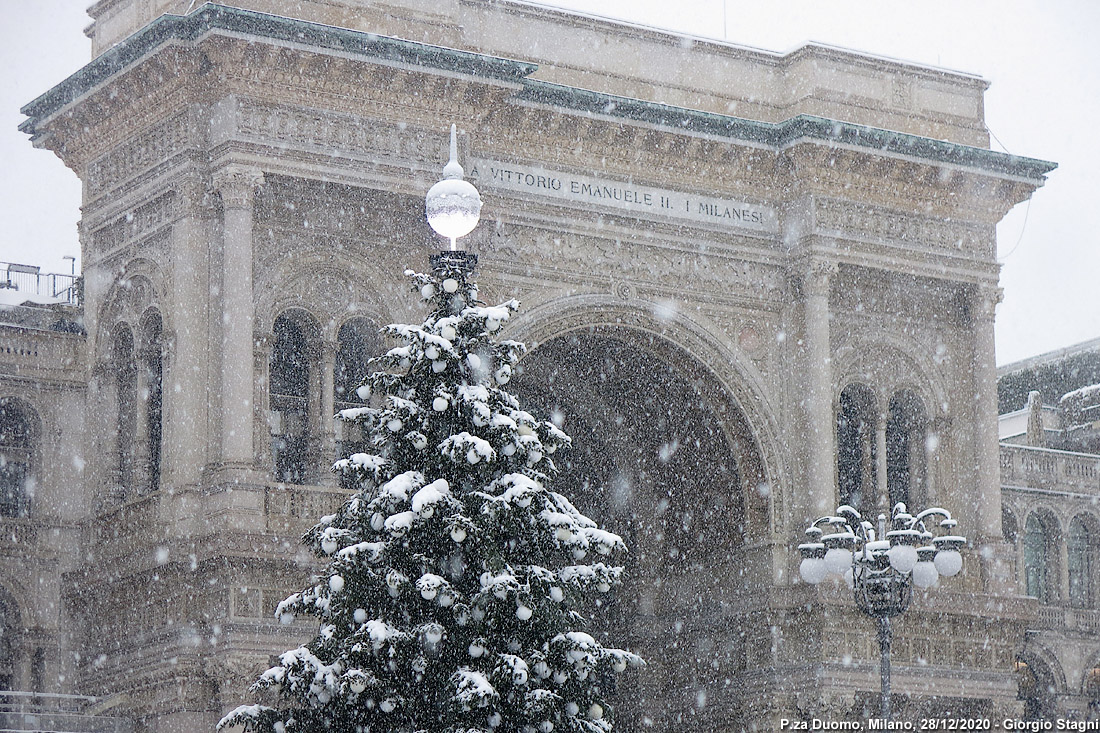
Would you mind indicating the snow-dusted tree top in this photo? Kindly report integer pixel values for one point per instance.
(454, 578)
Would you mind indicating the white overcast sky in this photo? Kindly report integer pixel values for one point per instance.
(1042, 58)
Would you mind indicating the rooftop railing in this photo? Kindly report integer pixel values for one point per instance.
(30, 279)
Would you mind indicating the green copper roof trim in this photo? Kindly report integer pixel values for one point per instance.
(783, 133)
(210, 17)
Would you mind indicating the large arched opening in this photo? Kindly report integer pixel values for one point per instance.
(662, 456)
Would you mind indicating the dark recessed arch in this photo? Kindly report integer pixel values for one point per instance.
(663, 456)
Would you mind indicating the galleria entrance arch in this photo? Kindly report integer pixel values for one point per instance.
(662, 456)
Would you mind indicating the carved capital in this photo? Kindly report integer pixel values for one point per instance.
(817, 275)
(984, 300)
(237, 185)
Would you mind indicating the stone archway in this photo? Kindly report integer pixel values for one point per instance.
(663, 457)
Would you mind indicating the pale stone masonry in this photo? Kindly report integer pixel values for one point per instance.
(712, 245)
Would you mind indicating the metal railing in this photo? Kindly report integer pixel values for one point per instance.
(39, 711)
(31, 280)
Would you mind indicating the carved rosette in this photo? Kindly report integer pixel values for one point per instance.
(237, 185)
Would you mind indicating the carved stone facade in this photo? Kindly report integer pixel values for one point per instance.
(706, 262)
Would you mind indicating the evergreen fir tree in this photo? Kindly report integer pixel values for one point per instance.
(455, 577)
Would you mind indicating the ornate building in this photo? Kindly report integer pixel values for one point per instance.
(756, 285)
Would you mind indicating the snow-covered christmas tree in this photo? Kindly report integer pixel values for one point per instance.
(455, 579)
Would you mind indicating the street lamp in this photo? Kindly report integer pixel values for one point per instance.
(882, 566)
(453, 208)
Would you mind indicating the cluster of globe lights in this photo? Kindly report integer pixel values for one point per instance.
(848, 545)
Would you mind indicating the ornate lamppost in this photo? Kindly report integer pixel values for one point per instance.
(453, 209)
(881, 566)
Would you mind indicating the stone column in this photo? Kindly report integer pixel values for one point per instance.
(882, 488)
(987, 453)
(820, 431)
(186, 393)
(328, 409)
(237, 186)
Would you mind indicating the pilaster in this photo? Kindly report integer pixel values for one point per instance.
(237, 186)
(820, 453)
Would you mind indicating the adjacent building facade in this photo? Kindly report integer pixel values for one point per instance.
(755, 284)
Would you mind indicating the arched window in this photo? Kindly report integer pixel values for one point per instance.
(1010, 530)
(17, 454)
(855, 433)
(9, 631)
(905, 446)
(293, 371)
(1092, 692)
(1082, 566)
(1038, 557)
(1035, 687)
(151, 391)
(125, 376)
(357, 342)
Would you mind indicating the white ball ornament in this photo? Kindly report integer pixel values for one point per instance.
(446, 600)
(386, 706)
(492, 323)
(571, 709)
(405, 363)
(603, 587)
(502, 375)
(440, 404)
(560, 678)
(427, 511)
(546, 726)
(523, 613)
(448, 332)
(534, 457)
(363, 392)
(472, 456)
(563, 534)
(494, 720)
(474, 361)
(595, 712)
(420, 442)
(377, 522)
(619, 665)
(556, 594)
(427, 291)
(329, 546)
(509, 449)
(357, 686)
(579, 553)
(394, 425)
(438, 366)
(458, 534)
(450, 285)
(360, 615)
(431, 352)
(336, 583)
(428, 593)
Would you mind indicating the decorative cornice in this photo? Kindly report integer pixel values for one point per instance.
(216, 19)
(801, 128)
(212, 18)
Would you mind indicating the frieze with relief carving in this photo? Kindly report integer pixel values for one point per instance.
(135, 224)
(575, 258)
(866, 222)
(332, 131)
(149, 149)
